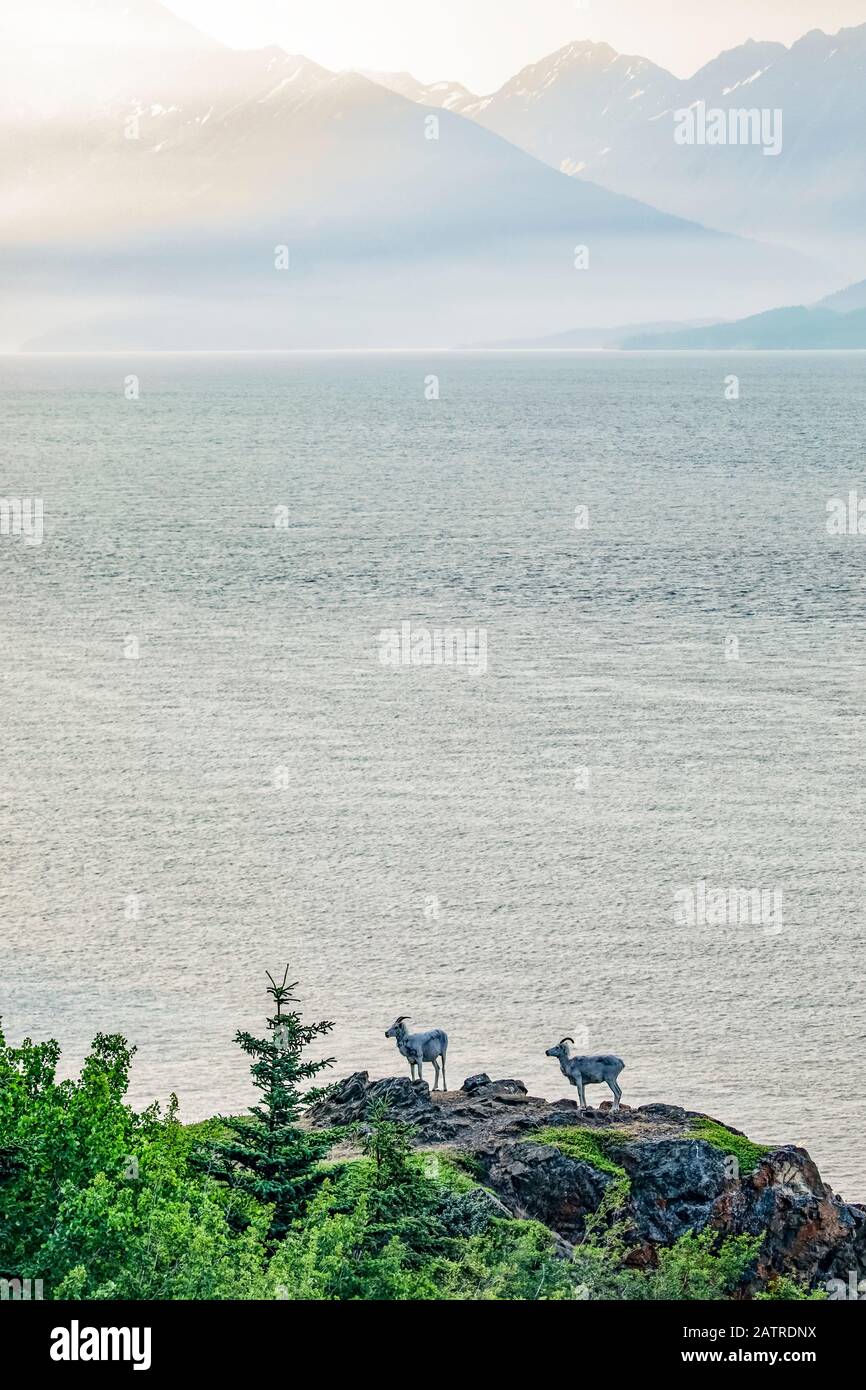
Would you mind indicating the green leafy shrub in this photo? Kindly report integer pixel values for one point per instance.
(100, 1201)
(700, 1267)
(58, 1136)
(784, 1289)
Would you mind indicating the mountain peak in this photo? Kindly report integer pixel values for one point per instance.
(758, 51)
(452, 96)
(578, 51)
(586, 47)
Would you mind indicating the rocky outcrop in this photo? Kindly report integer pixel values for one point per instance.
(539, 1182)
(350, 1101)
(676, 1181)
(442, 1117)
(808, 1231)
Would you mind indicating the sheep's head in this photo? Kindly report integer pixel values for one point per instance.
(560, 1052)
(397, 1027)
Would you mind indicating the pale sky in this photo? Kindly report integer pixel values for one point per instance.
(483, 42)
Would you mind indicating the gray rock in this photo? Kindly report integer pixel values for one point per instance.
(350, 1101)
(482, 1087)
(674, 1184)
(474, 1083)
(537, 1181)
(663, 1112)
(470, 1213)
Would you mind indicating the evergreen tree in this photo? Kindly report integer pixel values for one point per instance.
(402, 1204)
(266, 1153)
(388, 1143)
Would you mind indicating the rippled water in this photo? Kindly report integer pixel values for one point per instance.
(260, 788)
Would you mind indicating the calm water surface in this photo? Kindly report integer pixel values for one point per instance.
(261, 789)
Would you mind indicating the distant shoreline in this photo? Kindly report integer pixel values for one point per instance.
(37, 354)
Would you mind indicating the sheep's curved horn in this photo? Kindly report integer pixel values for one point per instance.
(562, 1040)
(402, 1018)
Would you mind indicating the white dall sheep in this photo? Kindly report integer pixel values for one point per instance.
(588, 1071)
(418, 1048)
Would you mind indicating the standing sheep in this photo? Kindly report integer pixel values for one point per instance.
(588, 1071)
(418, 1048)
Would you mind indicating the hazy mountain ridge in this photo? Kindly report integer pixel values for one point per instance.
(793, 328)
(834, 322)
(448, 96)
(175, 186)
(583, 339)
(844, 301)
(610, 117)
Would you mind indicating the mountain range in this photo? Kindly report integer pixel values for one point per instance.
(150, 181)
(605, 116)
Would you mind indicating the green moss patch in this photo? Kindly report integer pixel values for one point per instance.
(590, 1145)
(747, 1153)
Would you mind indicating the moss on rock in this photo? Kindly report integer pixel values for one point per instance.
(589, 1145)
(747, 1153)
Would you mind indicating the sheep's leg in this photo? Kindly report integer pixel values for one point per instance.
(442, 1060)
(617, 1093)
(412, 1068)
(420, 1069)
(580, 1092)
(435, 1075)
